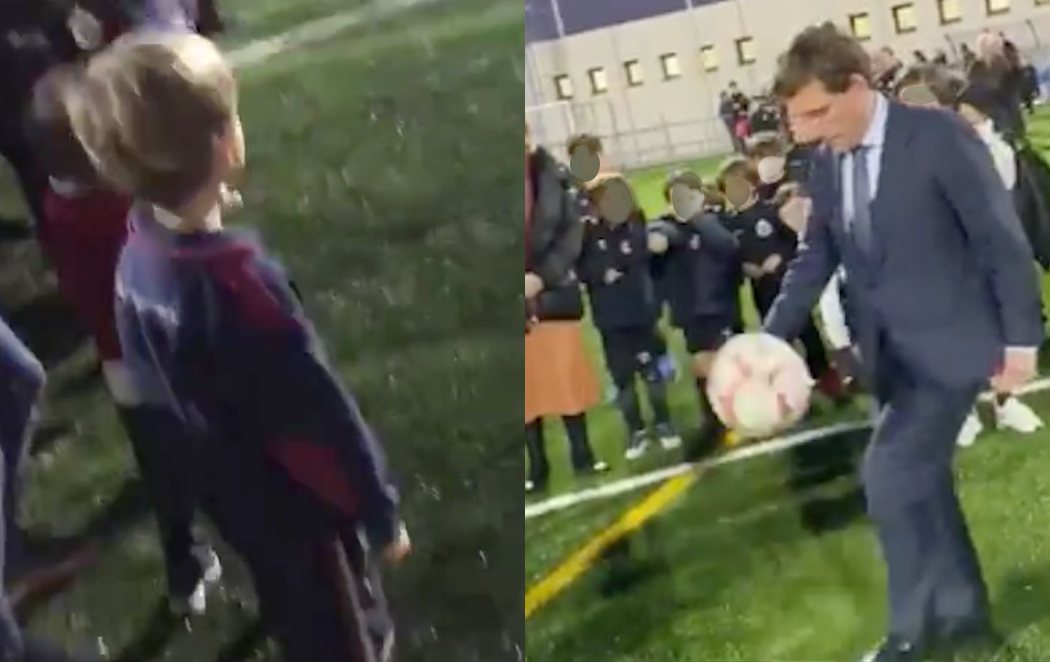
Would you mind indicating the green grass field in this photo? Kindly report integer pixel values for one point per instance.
(380, 169)
(734, 571)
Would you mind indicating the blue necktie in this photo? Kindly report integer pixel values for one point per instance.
(860, 224)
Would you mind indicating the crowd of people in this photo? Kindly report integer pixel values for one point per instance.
(902, 201)
(121, 121)
(586, 235)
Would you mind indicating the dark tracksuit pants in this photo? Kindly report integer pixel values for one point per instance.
(170, 479)
(320, 594)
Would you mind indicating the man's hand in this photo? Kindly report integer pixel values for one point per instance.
(1020, 366)
(612, 275)
(772, 263)
(533, 285)
(400, 548)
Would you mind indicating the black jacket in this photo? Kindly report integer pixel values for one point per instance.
(554, 238)
(701, 267)
(630, 302)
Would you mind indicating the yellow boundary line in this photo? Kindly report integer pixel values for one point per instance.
(569, 571)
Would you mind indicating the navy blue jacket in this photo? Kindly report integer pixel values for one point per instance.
(762, 234)
(702, 267)
(949, 281)
(211, 329)
(630, 302)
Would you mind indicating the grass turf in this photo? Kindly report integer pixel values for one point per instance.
(730, 573)
(360, 150)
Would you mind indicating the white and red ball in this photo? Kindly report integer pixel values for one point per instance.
(759, 385)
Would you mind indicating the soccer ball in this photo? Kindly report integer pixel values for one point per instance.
(759, 385)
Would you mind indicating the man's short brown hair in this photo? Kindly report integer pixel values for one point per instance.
(149, 111)
(821, 53)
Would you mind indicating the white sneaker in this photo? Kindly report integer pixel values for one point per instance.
(196, 603)
(971, 429)
(637, 447)
(1017, 416)
(671, 442)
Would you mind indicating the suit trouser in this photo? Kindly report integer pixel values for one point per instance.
(934, 577)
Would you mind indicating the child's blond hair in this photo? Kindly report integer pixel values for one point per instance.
(149, 111)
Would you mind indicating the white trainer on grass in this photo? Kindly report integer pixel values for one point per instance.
(1017, 416)
(971, 429)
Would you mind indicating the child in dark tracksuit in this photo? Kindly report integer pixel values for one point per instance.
(288, 470)
(614, 266)
(767, 247)
(701, 264)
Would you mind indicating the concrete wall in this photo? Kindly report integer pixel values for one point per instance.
(662, 121)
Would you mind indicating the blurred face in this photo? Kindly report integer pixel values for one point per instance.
(615, 202)
(686, 201)
(771, 169)
(738, 191)
(584, 164)
(919, 95)
(837, 119)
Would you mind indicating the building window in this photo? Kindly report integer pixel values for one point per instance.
(563, 87)
(950, 11)
(633, 69)
(599, 81)
(709, 57)
(860, 26)
(670, 65)
(997, 6)
(904, 18)
(745, 51)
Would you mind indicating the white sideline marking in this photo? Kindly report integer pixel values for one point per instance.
(264, 48)
(780, 444)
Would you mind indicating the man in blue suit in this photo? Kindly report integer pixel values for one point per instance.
(943, 297)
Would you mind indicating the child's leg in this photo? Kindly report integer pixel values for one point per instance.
(580, 452)
(539, 467)
(621, 359)
(166, 463)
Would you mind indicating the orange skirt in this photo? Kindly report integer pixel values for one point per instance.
(559, 377)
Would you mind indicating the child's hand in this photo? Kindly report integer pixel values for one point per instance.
(658, 243)
(753, 271)
(795, 213)
(612, 275)
(772, 264)
(398, 550)
(533, 286)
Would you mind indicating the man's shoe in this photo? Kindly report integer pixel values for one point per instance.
(896, 650)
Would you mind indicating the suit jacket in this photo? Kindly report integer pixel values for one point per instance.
(949, 281)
